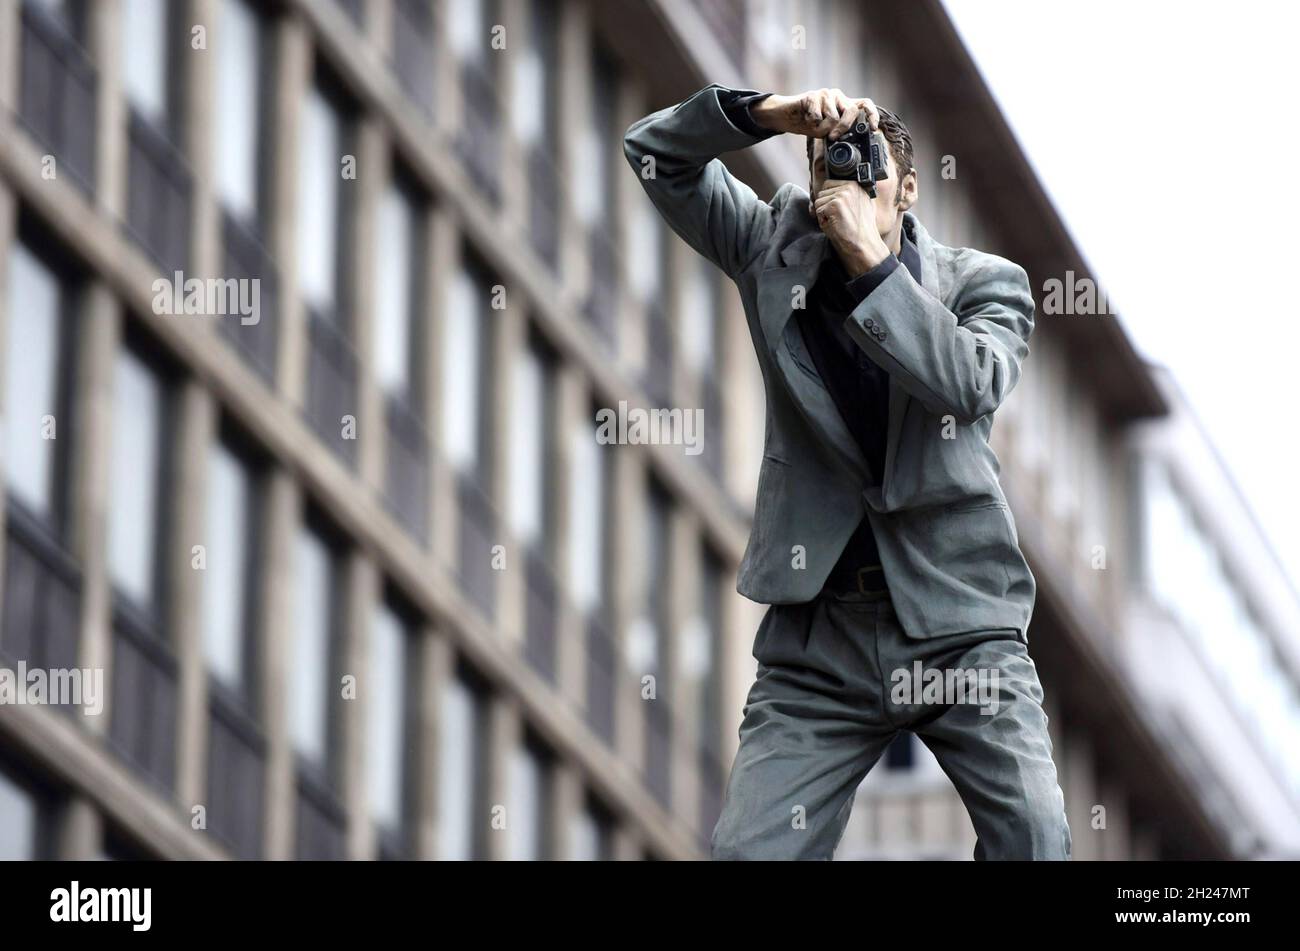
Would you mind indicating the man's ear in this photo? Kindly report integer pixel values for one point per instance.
(908, 191)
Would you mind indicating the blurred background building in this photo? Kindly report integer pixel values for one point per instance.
(361, 579)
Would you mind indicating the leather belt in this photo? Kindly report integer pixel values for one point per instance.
(868, 581)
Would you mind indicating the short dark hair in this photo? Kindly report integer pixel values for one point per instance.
(899, 139)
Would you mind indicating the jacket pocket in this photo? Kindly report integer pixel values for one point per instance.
(771, 476)
(969, 543)
(972, 505)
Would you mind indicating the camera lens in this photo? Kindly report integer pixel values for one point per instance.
(841, 155)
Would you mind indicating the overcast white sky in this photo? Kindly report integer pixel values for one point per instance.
(1197, 251)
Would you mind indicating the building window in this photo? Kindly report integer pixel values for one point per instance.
(701, 652)
(158, 181)
(700, 317)
(529, 499)
(144, 687)
(238, 110)
(587, 503)
(413, 49)
(596, 163)
(58, 86)
(236, 744)
(591, 834)
(646, 252)
(144, 35)
(648, 638)
(466, 344)
(526, 817)
(238, 139)
(470, 39)
(647, 262)
(19, 821)
(699, 324)
(321, 820)
(772, 19)
(136, 475)
(464, 348)
(117, 845)
(355, 9)
(231, 567)
(395, 311)
(69, 14)
(701, 672)
(40, 605)
(387, 709)
(533, 68)
(397, 317)
(460, 771)
(317, 606)
(468, 30)
(320, 171)
(529, 438)
(536, 91)
(323, 272)
(35, 427)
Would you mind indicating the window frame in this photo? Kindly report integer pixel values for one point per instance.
(56, 526)
(256, 468)
(151, 618)
(341, 316)
(327, 775)
(262, 129)
(396, 842)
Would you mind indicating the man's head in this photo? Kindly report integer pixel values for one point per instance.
(895, 194)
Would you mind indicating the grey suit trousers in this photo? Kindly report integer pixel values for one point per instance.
(825, 704)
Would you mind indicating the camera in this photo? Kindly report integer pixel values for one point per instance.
(859, 155)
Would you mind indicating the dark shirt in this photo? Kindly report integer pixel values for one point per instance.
(736, 106)
(858, 387)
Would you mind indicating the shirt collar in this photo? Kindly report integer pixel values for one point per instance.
(910, 256)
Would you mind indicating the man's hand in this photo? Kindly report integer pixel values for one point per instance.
(846, 213)
(820, 113)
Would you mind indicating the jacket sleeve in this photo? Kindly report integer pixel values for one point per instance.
(674, 153)
(961, 362)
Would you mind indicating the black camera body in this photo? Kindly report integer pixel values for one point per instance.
(859, 155)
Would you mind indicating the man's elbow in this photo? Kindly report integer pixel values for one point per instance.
(980, 399)
(965, 413)
(633, 147)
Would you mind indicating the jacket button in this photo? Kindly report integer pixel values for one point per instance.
(870, 322)
(881, 335)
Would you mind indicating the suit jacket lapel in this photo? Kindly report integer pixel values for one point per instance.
(802, 259)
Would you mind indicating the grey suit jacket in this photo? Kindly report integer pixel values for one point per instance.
(952, 348)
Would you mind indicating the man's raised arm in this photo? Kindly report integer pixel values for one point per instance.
(675, 153)
(961, 362)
